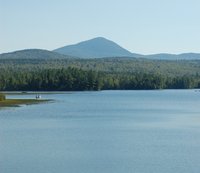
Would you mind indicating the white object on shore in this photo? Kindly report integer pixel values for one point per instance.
(38, 97)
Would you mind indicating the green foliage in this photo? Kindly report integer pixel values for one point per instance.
(17, 102)
(2, 97)
(97, 74)
(109, 65)
(73, 79)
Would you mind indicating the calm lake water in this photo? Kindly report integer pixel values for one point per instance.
(103, 132)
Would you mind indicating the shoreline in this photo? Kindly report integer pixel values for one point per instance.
(68, 92)
(19, 102)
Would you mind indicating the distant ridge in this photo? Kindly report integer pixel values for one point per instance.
(32, 54)
(165, 56)
(95, 48)
(101, 47)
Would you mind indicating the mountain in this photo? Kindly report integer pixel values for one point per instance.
(189, 56)
(165, 56)
(95, 48)
(101, 47)
(161, 56)
(32, 54)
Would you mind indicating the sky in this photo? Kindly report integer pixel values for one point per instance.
(141, 26)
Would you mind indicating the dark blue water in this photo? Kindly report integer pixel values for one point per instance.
(103, 132)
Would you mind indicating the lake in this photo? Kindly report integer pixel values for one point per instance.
(103, 132)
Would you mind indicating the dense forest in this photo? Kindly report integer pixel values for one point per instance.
(108, 65)
(74, 79)
(97, 74)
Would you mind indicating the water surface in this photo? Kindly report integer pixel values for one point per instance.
(103, 132)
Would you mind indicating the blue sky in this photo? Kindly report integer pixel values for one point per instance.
(141, 26)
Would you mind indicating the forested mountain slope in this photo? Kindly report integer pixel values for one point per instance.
(95, 48)
(32, 54)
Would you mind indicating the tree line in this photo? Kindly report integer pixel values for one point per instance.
(109, 65)
(76, 79)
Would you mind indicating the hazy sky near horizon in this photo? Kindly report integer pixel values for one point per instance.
(141, 26)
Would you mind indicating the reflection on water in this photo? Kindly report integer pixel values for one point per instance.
(108, 131)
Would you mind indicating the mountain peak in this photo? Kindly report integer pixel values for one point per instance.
(97, 39)
(98, 47)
